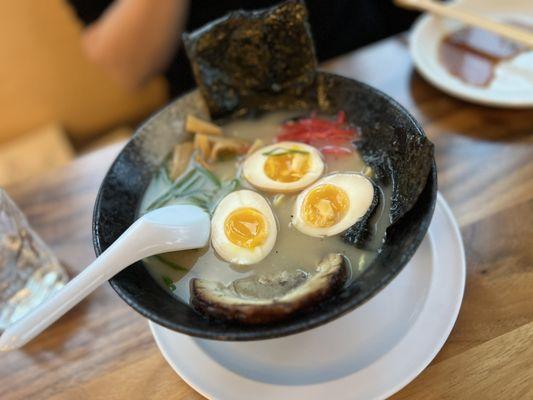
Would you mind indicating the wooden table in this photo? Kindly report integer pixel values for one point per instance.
(103, 349)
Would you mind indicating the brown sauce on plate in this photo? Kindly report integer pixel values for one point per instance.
(472, 54)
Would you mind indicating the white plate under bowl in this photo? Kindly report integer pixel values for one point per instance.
(370, 353)
(513, 86)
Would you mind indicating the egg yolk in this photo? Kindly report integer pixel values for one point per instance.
(246, 227)
(287, 167)
(325, 205)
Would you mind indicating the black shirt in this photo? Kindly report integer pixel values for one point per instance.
(338, 26)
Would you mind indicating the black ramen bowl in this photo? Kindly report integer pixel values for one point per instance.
(120, 195)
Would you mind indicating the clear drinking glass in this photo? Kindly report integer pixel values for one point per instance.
(29, 271)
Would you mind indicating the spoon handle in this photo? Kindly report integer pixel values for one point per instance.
(172, 228)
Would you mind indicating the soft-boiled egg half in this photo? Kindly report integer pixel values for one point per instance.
(332, 204)
(283, 167)
(243, 228)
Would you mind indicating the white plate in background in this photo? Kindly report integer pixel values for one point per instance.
(513, 84)
(370, 353)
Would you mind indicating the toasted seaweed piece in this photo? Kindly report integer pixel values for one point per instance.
(288, 295)
(400, 159)
(360, 233)
(245, 57)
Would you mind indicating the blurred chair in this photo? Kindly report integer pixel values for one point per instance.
(34, 153)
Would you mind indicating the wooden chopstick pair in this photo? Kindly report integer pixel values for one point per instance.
(510, 32)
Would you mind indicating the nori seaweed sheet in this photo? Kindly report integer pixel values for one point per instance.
(361, 232)
(401, 160)
(245, 57)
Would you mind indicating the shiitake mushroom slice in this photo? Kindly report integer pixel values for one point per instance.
(277, 296)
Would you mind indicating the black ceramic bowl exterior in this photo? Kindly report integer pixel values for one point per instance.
(122, 190)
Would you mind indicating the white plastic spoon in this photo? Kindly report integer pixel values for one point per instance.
(172, 228)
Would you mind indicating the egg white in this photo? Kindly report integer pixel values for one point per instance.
(230, 251)
(254, 172)
(360, 192)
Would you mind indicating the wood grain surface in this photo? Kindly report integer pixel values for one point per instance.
(103, 350)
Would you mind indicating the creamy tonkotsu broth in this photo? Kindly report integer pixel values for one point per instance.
(293, 250)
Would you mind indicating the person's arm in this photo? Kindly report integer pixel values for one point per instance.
(135, 39)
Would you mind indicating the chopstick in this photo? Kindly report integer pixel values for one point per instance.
(469, 18)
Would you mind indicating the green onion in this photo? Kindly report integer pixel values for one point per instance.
(212, 177)
(198, 186)
(170, 264)
(197, 180)
(168, 282)
(227, 188)
(280, 151)
(163, 174)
